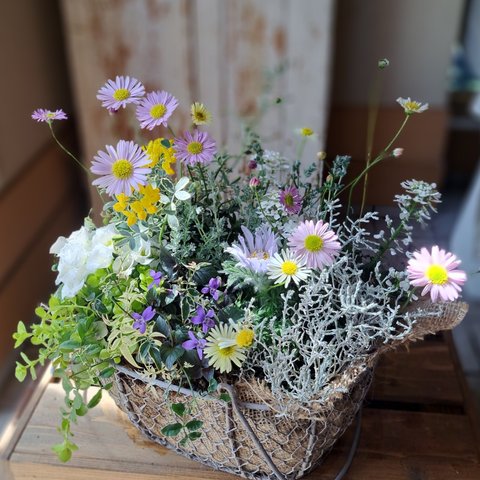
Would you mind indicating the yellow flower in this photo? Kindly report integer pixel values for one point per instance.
(153, 150)
(150, 194)
(306, 132)
(200, 114)
(137, 207)
(122, 202)
(157, 150)
(131, 218)
(245, 337)
(222, 349)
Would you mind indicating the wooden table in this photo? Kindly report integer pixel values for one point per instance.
(418, 424)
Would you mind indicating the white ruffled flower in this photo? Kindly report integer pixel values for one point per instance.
(127, 258)
(82, 253)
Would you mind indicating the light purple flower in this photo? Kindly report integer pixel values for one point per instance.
(212, 288)
(123, 168)
(254, 252)
(155, 109)
(197, 148)
(291, 200)
(204, 318)
(141, 320)
(42, 115)
(195, 343)
(116, 94)
(156, 277)
(315, 242)
(437, 272)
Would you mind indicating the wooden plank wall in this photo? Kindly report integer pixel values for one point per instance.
(214, 51)
(43, 202)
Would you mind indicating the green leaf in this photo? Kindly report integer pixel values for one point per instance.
(172, 430)
(212, 386)
(69, 345)
(162, 326)
(171, 354)
(178, 408)
(194, 435)
(95, 400)
(165, 142)
(225, 397)
(64, 450)
(231, 312)
(20, 372)
(184, 441)
(194, 424)
(81, 410)
(107, 372)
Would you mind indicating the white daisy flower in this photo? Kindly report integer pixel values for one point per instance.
(287, 266)
(412, 106)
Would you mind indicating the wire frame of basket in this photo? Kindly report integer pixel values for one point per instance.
(247, 435)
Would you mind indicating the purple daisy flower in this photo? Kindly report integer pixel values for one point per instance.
(195, 343)
(204, 318)
(156, 277)
(42, 115)
(212, 288)
(141, 319)
(291, 200)
(316, 242)
(155, 109)
(122, 168)
(116, 94)
(197, 148)
(254, 252)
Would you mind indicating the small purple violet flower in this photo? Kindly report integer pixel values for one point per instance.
(203, 318)
(141, 320)
(195, 343)
(212, 287)
(156, 277)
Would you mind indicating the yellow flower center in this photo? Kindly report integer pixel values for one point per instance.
(158, 111)
(195, 148)
(227, 352)
(437, 274)
(121, 94)
(245, 337)
(289, 267)
(122, 169)
(412, 105)
(306, 132)
(313, 243)
(288, 200)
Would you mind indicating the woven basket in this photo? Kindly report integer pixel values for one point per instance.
(252, 435)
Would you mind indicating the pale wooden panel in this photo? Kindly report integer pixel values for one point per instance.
(209, 48)
(308, 77)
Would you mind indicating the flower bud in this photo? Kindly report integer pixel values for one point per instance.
(322, 155)
(252, 164)
(254, 182)
(397, 152)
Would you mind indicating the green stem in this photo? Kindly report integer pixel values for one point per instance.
(70, 154)
(377, 159)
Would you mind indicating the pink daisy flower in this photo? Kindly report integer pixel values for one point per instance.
(116, 94)
(42, 115)
(437, 272)
(291, 200)
(122, 168)
(155, 109)
(316, 243)
(197, 148)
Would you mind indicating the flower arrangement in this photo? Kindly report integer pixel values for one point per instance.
(205, 274)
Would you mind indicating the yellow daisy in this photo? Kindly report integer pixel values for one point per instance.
(200, 114)
(223, 349)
